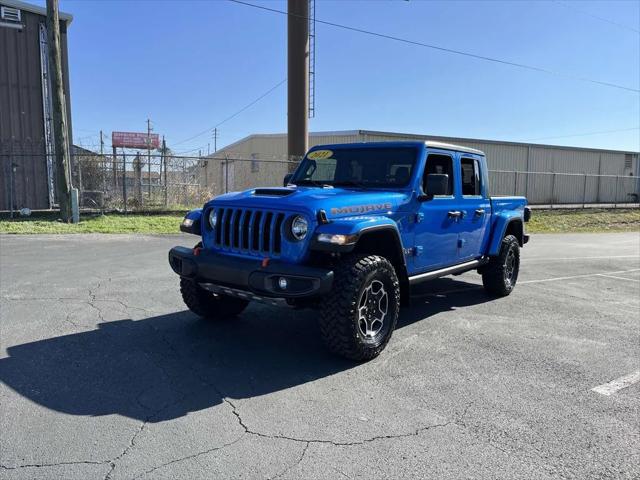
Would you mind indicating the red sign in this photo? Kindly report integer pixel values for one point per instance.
(135, 140)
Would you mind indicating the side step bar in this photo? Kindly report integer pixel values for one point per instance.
(460, 268)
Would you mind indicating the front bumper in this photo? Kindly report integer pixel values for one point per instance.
(250, 275)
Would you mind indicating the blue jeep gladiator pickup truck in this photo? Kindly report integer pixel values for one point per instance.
(352, 230)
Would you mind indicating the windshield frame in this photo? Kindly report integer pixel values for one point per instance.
(321, 183)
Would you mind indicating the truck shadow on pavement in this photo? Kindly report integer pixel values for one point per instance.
(164, 367)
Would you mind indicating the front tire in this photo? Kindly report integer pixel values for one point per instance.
(207, 304)
(499, 277)
(358, 317)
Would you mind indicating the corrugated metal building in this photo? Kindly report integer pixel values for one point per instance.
(546, 174)
(26, 173)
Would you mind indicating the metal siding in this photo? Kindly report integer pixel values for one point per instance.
(21, 125)
(504, 159)
(21, 114)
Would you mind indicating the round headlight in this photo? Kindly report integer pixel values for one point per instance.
(299, 227)
(213, 218)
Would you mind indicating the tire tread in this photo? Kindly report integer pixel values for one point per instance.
(336, 316)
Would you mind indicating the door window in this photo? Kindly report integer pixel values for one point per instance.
(470, 174)
(442, 164)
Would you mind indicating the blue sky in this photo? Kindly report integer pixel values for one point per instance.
(188, 65)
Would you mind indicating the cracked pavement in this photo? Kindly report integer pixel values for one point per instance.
(105, 375)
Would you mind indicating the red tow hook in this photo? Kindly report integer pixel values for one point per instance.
(265, 262)
(196, 251)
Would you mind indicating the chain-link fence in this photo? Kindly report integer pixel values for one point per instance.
(552, 188)
(151, 181)
(132, 182)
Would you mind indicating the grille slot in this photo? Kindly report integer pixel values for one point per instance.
(251, 231)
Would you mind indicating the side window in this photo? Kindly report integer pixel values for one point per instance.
(470, 174)
(442, 164)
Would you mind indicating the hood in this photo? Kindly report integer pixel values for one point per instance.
(336, 202)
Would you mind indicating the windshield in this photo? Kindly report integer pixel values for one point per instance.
(357, 167)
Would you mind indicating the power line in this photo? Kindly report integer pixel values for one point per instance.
(584, 12)
(582, 134)
(190, 150)
(444, 49)
(235, 114)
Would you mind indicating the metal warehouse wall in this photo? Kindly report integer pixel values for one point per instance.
(268, 168)
(22, 146)
(541, 186)
(522, 169)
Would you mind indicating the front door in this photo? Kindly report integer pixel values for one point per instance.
(436, 230)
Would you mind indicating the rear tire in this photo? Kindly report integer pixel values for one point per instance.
(500, 275)
(358, 317)
(207, 304)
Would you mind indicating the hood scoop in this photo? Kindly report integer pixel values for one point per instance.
(273, 192)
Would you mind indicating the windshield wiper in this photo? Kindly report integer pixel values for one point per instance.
(349, 183)
(307, 181)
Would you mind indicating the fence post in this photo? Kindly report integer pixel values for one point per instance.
(226, 174)
(164, 161)
(104, 179)
(553, 190)
(615, 195)
(11, 177)
(599, 178)
(584, 192)
(115, 170)
(80, 188)
(124, 180)
(184, 181)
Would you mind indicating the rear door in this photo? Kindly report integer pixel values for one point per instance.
(436, 231)
(475, 205)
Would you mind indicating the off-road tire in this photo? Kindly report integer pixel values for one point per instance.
(496, 276)
(209, 305)
(339, 315)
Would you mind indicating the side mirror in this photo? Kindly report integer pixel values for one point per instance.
(287, 179)
(436, 184)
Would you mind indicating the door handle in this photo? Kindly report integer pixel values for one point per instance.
(455, 214)
(479, 212)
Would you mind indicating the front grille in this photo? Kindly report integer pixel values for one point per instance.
(250, 231)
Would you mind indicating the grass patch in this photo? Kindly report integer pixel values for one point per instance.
(542, 221)
(112, 223)
(585, 220)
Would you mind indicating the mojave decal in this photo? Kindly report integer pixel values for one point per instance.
(361, 208)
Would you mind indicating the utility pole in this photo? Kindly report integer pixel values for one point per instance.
(59, 114)
(149, 156)
(215, 139)
(297, 79)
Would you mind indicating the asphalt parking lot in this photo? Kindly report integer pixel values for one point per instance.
(104, 374)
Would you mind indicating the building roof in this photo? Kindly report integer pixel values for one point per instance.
(29, 7)
(494, 142)
(428, 138)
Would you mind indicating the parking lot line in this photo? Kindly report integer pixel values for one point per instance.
(618, 384)
(620, 278)
(604, 257)
(552, 279)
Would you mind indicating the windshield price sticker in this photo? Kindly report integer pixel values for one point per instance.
(320, 154)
